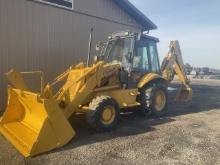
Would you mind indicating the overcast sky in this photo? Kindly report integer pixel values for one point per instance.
(195, 23)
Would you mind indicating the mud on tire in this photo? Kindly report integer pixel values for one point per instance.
(148, 100)
(103, 106)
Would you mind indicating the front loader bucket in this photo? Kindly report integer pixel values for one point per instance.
(34, 125)
(184, 95)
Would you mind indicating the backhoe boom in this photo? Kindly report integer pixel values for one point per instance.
(173, 63)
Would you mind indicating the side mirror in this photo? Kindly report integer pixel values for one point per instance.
(96, 59)
(98, 46)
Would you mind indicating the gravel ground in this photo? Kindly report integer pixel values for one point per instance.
(188, 134)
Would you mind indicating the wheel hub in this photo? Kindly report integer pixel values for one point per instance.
(108, 115)
(160, 100)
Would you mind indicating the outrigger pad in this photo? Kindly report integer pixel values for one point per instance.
(34, 125)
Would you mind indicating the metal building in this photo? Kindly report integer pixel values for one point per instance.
(51, 35)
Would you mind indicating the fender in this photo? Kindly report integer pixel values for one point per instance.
(147, 78)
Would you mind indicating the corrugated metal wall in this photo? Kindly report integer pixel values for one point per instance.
(36, 36)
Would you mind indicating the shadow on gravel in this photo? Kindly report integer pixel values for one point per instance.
(130, 124)
(205, 98)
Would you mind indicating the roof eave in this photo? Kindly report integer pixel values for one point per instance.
(136, 14)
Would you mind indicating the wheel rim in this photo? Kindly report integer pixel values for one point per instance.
(108, 115)
(160, 100)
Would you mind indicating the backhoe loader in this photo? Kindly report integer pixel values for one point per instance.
(126, 73)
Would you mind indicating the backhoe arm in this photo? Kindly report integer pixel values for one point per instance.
(173, 63)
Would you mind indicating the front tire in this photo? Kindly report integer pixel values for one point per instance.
(103, 114)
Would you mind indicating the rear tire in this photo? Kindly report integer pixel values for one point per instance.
(103, 114)
(153, 100)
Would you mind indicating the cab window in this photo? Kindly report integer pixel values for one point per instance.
(140, 58)
(155, 65)
(118, 51)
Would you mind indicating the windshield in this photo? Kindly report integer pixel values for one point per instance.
(118, 51)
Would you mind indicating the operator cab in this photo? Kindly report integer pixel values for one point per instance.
(136, 53)
(132, 52)
(145, 55)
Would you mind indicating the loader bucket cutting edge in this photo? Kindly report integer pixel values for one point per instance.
(34, 125)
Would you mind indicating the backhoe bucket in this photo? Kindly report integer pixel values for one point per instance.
(34, 125)
(184, 95)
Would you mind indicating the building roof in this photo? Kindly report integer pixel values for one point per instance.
(136, 14)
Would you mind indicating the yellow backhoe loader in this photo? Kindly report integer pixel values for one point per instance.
(126, 73)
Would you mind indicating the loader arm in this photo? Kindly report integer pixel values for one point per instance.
(173, 63)
(79, 86)
(35, 123)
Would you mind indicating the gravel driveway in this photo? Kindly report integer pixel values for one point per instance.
(188, 134)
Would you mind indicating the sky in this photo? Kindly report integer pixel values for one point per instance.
(195, 23)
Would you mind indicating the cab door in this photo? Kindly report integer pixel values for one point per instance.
(145, 60)
(154, 59)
